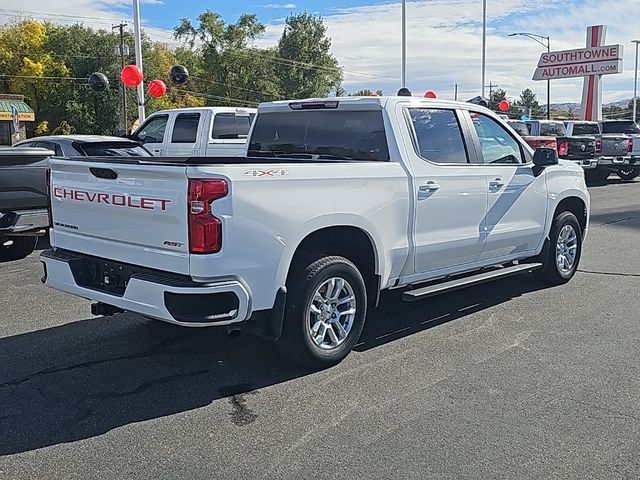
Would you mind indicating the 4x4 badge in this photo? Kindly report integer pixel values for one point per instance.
(273, 172)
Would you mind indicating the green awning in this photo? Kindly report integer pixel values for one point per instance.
(25, 112)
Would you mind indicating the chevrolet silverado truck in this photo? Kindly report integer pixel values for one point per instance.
(578, 149)
(632, 130)
(613, 150)
(335, 201)
(23, 200)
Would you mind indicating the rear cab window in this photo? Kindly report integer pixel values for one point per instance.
(553, 129)
(580, 129)
(185, 128)
(329, 134)
(628, 127)
(231, 126)
(438, 136)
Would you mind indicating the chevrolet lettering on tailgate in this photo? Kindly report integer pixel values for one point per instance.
(117, 200)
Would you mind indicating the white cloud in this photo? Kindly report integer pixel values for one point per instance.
(444, 44)
(278, 5)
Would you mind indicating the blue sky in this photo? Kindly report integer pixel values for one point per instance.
(444, 36)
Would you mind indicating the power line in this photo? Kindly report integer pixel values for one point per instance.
(206, 80)
(58, 15)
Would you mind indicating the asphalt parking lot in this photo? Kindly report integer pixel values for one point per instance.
(507, 380)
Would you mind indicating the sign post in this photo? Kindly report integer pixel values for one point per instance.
(15, 119)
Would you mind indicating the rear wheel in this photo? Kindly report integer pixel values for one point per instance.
(16, 248)
(326, 309)
(562, 252)
(628, 173)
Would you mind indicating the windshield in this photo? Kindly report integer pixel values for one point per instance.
(552, 129)
(621, 127)
(520, 128)
(580, 129)
(113, 149)
(320, 134)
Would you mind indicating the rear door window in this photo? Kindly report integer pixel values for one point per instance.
(438, 136)
(555, 129)
(185, 129)
(225, 127)
(51, 146)
(321, 134)
(153, 130)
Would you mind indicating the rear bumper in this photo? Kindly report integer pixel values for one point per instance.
(24, 221)
(587, 164)
(162, 297)
(607, 161)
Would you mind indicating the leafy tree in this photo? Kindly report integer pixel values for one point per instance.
(307, 67)
(366, 93)
(529, 102)
(500, 95)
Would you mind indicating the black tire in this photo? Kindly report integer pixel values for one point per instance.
(628, 174)
(551, 272)
(16, 248)
(296, 343)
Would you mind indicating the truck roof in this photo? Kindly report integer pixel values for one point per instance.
(366, 103)
(208, 109)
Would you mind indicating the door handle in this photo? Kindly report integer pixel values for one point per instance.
(496, 183)
(429, 187)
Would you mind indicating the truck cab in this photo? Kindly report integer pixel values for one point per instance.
(196, 132)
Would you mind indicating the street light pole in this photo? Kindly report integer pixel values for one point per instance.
(138, 49)
(635, 84)
(403, 80)
(484, 45)
(541, 40)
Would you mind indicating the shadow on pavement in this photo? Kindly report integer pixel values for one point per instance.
(82, 379)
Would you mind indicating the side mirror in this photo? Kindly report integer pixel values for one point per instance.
(545, 157)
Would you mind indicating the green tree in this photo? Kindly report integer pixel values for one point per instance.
(230, 70)
(500, 95)
(307, 67)
(529, 103)
(366, 93)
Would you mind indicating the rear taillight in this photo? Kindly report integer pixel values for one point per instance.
(598, 145)
(48, 177)
(205, 229)
(563, 149)
(629, 145)
(550, 144)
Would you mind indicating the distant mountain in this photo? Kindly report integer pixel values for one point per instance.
(575, 107)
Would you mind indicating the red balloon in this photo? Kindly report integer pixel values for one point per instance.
(131, 76)
(503, 106)
(157, 88)
(430, 94)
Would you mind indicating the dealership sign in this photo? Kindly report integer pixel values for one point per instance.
(599, 60)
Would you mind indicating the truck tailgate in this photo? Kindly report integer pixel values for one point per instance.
(615, 146)
(128, 212)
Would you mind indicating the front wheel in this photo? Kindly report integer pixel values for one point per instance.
(561, 255)
(16, 248)
(628, 174)
(326, 310)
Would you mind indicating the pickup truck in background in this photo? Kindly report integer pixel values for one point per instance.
(533, 141)
(580, 150)
(23, 200)
(613, 150)
(196, 132)
(336, 200)
(632, 130)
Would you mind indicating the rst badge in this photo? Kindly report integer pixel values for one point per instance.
(272, 172)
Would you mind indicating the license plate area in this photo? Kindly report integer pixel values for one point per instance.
(102, 275)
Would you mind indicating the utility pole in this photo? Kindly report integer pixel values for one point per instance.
(635, 85)
(138, 49)
(123, 90)
(455, 94)
(491, 86)
(403, 80)
(484, 45)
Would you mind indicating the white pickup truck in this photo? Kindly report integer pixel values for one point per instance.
(336, 200)
(196, 132)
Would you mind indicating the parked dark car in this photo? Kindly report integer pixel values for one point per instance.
(87, 145)
(24, 214)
